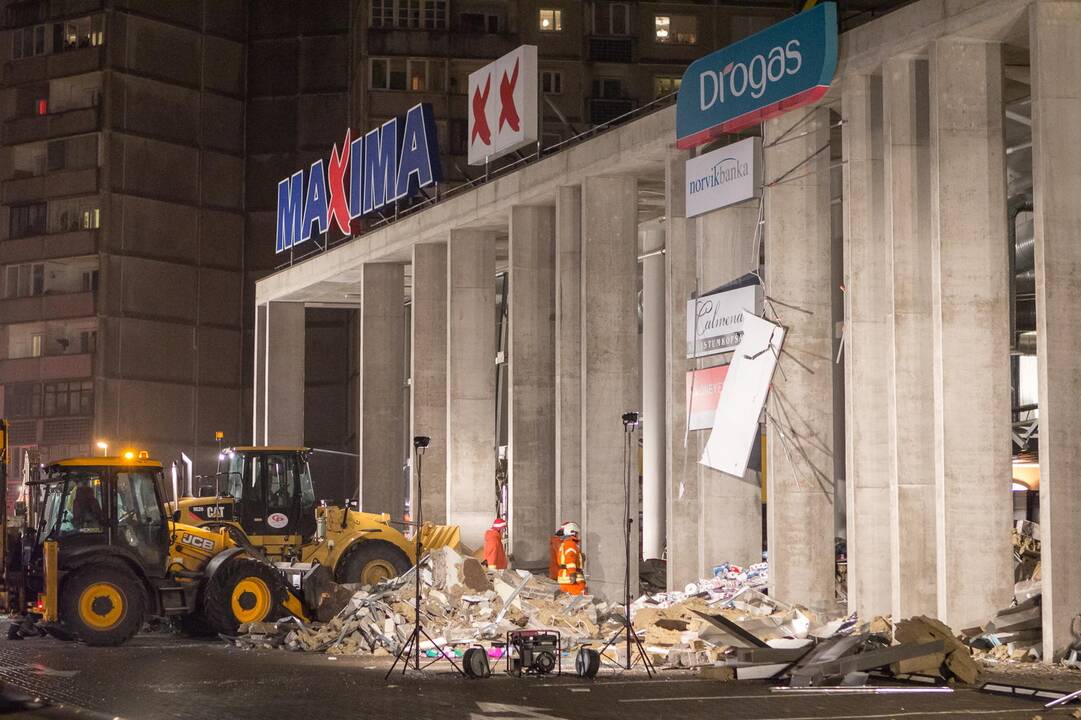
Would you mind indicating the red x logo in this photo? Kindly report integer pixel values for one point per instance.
(480, 119)
(508, 112)
(338, 208)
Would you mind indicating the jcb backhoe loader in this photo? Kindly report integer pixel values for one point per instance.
(103, 555)
(267, 493)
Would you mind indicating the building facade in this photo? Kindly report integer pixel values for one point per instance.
(141, 146)
(915, 237)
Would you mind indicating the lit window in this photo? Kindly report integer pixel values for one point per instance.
(418, 75)
(676, 29)
(665, 85)
(43, 106)
(551, 20)
(551, 82)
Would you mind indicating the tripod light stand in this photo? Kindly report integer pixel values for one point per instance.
(409, 655)
(630, 422)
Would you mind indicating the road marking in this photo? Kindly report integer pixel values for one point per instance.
(579, 689)
(926, 713)
(503, 711)
(601, 681)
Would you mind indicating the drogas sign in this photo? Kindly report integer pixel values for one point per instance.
(783, 67)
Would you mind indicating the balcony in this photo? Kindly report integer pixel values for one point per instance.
(611, 48)
(44, 127)
(49, 367)
(602, 110)
(47, 307)
(47, 67)
(50, 185)
(44, 247)
(439, 43)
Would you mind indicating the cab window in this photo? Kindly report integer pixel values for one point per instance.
(83, 505)
(279, 482)
(139, 521)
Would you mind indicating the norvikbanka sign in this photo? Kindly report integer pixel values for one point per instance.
(389, 163)
(771, 72)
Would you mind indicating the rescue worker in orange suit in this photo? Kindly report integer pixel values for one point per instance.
(572, 577)
(553, 552)
(495, 557)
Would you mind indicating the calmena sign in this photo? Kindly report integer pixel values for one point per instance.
(783, 67)
(386, 164)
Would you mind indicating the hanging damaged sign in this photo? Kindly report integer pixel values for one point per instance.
(715, 321)
(703, 392)
(735, 424)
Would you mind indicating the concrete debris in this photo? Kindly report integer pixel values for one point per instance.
(724, 627)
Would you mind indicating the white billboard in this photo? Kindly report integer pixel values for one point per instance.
(725, 176)
(715, 322)
(503, 105)
(743, 395)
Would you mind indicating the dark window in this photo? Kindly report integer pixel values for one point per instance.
(22, 400)
(27, 220)
(69, 398)
(609, 88)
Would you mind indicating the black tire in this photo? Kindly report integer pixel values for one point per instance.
(587, 663)
(475, 663)
(370, 561)
(102, 604)
(246, 580)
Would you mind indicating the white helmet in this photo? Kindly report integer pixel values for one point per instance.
(571, 528)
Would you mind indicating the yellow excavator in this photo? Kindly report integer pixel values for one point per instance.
(100, 554)
(266, 493)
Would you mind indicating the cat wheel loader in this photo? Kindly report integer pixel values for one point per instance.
(266, 493)
(102, 555)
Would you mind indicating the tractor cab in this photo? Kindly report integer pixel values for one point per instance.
(88, 505)
(265, 490)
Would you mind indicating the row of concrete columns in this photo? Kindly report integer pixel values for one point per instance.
(573, 370)
(927, 340)
(925, 393)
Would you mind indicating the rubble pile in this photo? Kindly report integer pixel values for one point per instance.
(1014, 633)
(461, 605)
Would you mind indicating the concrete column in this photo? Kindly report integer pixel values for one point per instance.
(568, 358)
(800, 423)
(653, 413)
(531, 380)
(910, 392)
(610, 376)
(471, 382)
(970, 312)
(428, 390)
(382, 375)
(1055, 32)
(280, 352)
(681, 475)
(867, 351)
(258, 410)
(730, 510)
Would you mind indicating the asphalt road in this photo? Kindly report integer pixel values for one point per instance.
(164, 676)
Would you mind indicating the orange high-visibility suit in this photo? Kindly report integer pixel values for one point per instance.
(553, 555)
(571, 578)
(494, 554)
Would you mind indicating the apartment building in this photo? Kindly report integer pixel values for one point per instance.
(140, 148)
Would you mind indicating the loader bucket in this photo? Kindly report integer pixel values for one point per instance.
(437, 536)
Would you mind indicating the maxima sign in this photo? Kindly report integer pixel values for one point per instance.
(389, 163)
(724, 177)
(503, 105)
(783, 67)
